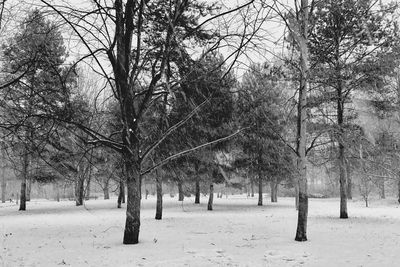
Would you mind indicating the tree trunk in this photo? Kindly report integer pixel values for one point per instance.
(260, 191)
(302, 40)
(296, 194)
(28, 187)
(382, 194)
(87, 191)
(349, 182)
(121, 194)
(159, 206)
(252, 187)
(79, 191)
(398, 188)
(180, 191)
(197, 198)
(57, 191)
(211, 198)
(22, 202)
(132, 224)
(3, 185)
(274, 190)
(105, 190)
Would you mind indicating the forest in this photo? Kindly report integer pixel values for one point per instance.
(175, 102)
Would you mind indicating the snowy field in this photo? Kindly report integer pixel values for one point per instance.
(236, 233)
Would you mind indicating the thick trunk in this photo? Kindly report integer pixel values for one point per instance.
(105, 190)
(260, 191)
(132, 224)
(121, 194)
(211, 198)
(296, 195)
(343, 184)
(197, 198)
(159, 205)
(274, 190)
(79, 191)
(301, 232)
(180, 191)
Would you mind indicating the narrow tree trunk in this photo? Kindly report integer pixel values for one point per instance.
(22, 202)
(260, 191)
(79, 191)
(105, 190)
(252, 187)
(57, 191)
(382, 194)
(197, 198)
(180, 191)
(274, 190)
(28, 187)
(132, 224)
(3, 186)
(211, 198)
(121, 194)
(349, 182)
(87, 191)
(302, 39)
(398, 188)
(159, 205)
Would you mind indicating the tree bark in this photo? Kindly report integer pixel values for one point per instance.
(197, 198)
(398, 188)
(121, 194)
(252, 187)
(382, 194)
(105, 190)
(349, 182)
(132, 224)
(274, 190)
(87, 191)
(302, 40)
(159, 206)
(22, 202)
(260, 191)
(28, 187)
(181, 196)
(3, 185)
(211, 198)
(79, 190)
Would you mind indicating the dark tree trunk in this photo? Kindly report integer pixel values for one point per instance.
(180, 191)
(302, 40)
(398, 188)
(260, 191)
(121, 194)
(252, 187)
(197, 198)
(159, 205)
(105, 190)
(79, 191)
(87, 191)
(22, 202)
(274, 190)
(211, 198)
(133, 181)
(296, 195)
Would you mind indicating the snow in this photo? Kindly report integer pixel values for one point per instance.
(236, 233)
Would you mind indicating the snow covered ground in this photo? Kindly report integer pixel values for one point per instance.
(236, 233)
